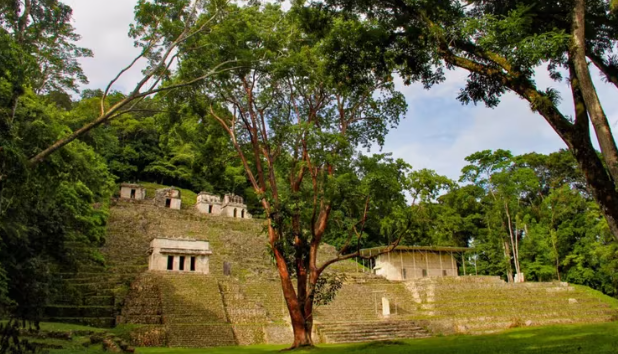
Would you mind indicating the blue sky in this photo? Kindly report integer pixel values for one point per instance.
(437, 133)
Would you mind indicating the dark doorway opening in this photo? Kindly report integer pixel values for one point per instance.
(444, 273)
(424, 273)
(181, 263)
(235, 212)
(170, 262)
(168, 203)
(193, 264)
(210, 209)
(132, 193)
(242, 214)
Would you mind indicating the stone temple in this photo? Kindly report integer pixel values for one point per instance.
(179, 255)
(231, 206)
(168, 198)
(132, 191)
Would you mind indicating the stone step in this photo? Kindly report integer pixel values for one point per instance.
(349, 332)
(375, 338)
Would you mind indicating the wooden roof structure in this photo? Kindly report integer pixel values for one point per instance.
(376, 250)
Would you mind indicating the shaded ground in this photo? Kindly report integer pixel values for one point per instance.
(597, 338)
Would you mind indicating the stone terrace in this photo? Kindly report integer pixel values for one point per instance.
(191, 310)
(488, 304)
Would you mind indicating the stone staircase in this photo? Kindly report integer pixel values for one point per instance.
(365, 331)
(143, 304)
(477, 305)
(193, 311)
(360, 299)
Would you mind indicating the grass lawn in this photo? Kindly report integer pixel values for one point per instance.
(597, 338)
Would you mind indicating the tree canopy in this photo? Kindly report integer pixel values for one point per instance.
(278, 107)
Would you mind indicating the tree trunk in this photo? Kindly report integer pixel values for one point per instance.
(302, 334)
(509, 269)
(600, 184)
(302, 337)
(589, 93)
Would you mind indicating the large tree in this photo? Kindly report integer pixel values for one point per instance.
(296, 127)
(160, 28)
(502, 44)
(43, 29)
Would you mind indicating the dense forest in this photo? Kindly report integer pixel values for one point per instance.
(249, 108)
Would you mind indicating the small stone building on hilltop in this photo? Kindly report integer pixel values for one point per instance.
(168, 198)
(132, 191)
(208, 203)
(179, 255)
(232, 205)
(411, 262)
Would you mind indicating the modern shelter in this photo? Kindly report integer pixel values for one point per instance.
(411, 262)
(132, 191)
(179, 255)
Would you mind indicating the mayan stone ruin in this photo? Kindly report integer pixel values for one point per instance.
(132, 191)
(180, 255)
(231, 206)
(168, 198)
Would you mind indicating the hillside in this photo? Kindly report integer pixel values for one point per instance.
(192, 310)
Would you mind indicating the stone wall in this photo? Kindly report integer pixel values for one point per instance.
(180, 250)
(168, 198)
(208, 203)
(415, 264)
(132, 191)
(232, 206)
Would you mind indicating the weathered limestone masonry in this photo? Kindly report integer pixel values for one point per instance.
(232, 205)
(208, 203)
(199, 310)
(178, 255)
(132, 191)
(168, 198)
(477, 304)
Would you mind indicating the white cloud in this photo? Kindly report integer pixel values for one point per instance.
(437, 134)
(104, 27)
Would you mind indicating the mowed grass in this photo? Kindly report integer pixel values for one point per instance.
(597, 338)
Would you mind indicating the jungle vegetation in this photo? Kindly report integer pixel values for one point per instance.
(278, 107)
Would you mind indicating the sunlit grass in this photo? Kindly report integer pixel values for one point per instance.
(598, 338)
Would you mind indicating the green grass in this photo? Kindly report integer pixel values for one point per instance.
(613, 302)
(189, 198)
(593, 339)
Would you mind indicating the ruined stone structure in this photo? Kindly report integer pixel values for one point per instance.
(168, 198)
(245, 305)
(132, 191)
(208, 203)
(412, 262)
(178, 255)
(232, 206)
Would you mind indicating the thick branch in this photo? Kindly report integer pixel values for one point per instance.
(589, 93)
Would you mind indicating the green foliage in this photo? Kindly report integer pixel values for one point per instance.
(47, 211)
(43, 29)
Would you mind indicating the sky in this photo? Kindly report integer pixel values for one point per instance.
(437, 133)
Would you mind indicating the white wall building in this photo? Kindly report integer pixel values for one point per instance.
(179, 255)
(132, 191)
(232, 206)
(208, 203)
(410, 262)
